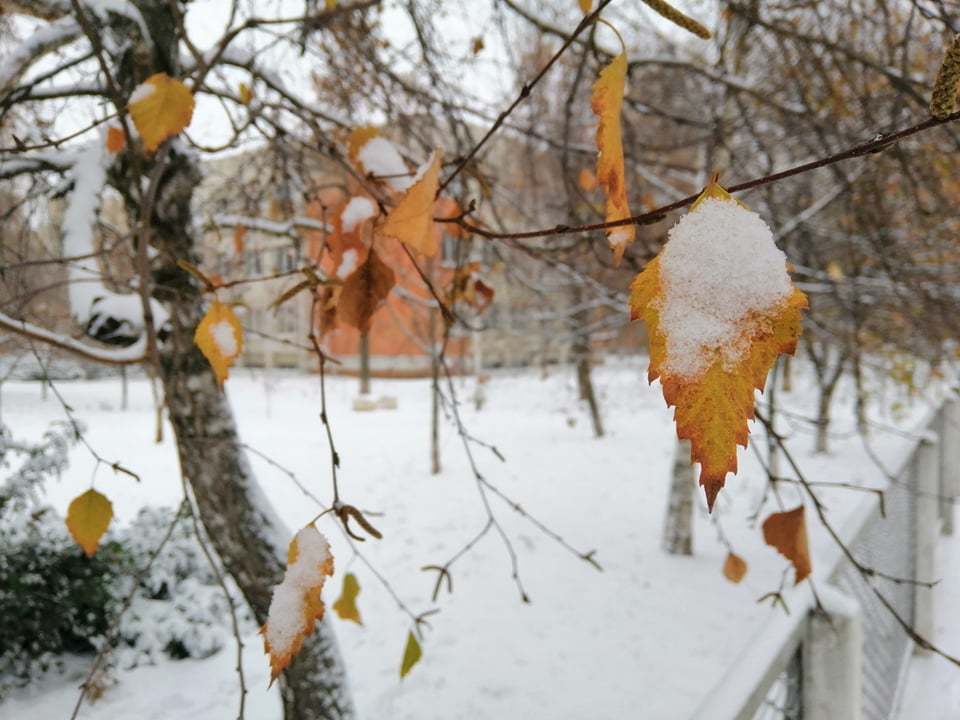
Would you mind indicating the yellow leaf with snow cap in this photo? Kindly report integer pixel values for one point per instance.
(161, 107)
(719, 308)
(220, 338)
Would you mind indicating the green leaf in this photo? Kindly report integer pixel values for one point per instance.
(411, 655)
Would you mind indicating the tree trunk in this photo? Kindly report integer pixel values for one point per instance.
(678, 525)
(434, 397)
(581, 357)
(364, 363)
(247, 535)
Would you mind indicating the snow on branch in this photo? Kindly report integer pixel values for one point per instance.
(44, 40)
(270, 227)
(120, 356)
(106, 315)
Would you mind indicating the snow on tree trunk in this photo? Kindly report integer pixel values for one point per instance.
(678, 525)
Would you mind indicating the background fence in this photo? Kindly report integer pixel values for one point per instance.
(853, 666)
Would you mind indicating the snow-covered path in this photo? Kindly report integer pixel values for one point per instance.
(648, 636)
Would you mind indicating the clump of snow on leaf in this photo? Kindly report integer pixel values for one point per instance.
(225, 338)
(356, 211)
(719, 268)
(381, 158)
(296, 605)
(141, 91)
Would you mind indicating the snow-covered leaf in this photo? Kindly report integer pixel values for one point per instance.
(719, 308)
(88, 517)
(296, 605)
(161, 107)
(220, 338)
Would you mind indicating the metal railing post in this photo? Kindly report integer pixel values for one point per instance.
(926, 470)
(833, 659)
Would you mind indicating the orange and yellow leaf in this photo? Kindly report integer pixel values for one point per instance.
(411, 221)
(734, 568)
(296, 605)
(88, 518)
(607, 101)
(161, 107)
(116, 140)
(787, 533)
(220, 338)
(714, 405)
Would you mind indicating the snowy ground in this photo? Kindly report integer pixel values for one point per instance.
(651, 631)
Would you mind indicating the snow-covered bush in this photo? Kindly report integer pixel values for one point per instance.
(55, 601)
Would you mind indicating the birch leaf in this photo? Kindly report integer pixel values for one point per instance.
(295, 605)
(346, 605)
(115, 140)
(411, 655)
(161, 107)
(364, 291)
(787, 533)
(411, 221)
(734, 568)
(246, 94)
(719, 308)
(606, 101)
(585, 5)
(88, 517)
(220, 338)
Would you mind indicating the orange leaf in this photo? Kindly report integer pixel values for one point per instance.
(730, 310)
(115, 140)
(239, 233)
(161, 107)
(411, 221)
(587, 180)
(787, 533)
(734, 568)
(364, 290)
(296, 605)
(606, 102)
(88, 517)
(585, 5)
(220, 338)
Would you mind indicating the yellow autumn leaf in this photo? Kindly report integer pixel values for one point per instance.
(220, 338)
(607, 101)
(330, 4)
(411, 655)
(88, 518)
(345, 606)
(295, 605)
(364, 292)
(585, 5)
(246, 94)
(412, 219)
(719, 308)
(161, 107)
